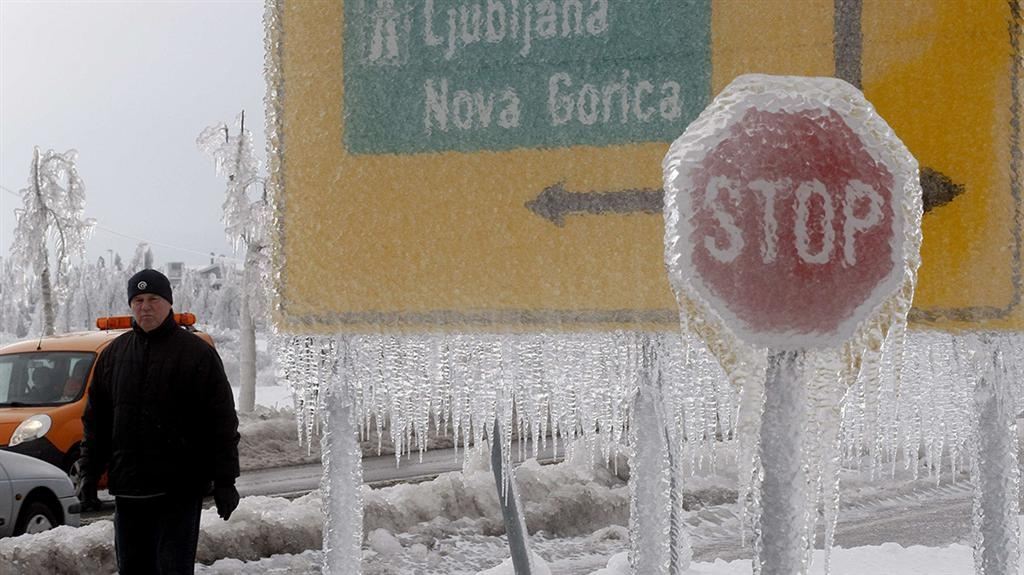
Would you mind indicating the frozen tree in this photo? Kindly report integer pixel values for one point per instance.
(70, 312)
(14, 315)
(245, 222)
(143, 258)
(196, 295)
(106, 285)
(226, 309)
(51, 218)
(185, 293)
(99, 293)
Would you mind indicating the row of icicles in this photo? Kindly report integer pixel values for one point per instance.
(903, 410)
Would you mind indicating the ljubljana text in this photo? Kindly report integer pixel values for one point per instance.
(463, 32)
(511, 21)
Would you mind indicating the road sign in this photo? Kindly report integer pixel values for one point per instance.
(784, 210)
(415, 192)
(946, 75)
(414, 134)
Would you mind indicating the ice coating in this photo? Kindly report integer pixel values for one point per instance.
(792, 221)
(577, 389)
(789, 207)
(885, 418)
(343, 477)
(656, 468)
(890, 418)
(274, 131)
(547, 388)
(996, 472)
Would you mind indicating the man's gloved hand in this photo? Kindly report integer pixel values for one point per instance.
(226, 498)
(87, 495)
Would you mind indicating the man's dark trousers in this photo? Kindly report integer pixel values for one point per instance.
(157, 535)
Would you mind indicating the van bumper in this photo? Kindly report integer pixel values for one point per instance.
(72, 511)
(40, 448)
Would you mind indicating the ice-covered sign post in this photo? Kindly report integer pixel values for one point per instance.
(786, 223)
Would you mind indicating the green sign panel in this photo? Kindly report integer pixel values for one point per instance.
(467, 75)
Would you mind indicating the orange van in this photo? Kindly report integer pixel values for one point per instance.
(43, 385)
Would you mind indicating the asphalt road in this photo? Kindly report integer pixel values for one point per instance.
(932, 516)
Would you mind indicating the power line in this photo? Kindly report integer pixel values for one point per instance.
(138, 239)
(163, 245)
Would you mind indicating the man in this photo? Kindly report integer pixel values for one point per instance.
(43, 388)
(161, 420)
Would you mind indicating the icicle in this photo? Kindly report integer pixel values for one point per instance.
(829, 378)
(748, 430)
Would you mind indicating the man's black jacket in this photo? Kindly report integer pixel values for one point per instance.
(160, 415)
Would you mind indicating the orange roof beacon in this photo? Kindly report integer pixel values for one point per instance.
(43, 385)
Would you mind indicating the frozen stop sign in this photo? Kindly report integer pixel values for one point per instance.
(786, 204)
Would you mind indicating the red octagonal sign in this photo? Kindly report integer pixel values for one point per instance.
(787, 205)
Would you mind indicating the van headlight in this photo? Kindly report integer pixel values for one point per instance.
(32, 428)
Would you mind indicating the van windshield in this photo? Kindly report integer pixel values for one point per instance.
(43, 378)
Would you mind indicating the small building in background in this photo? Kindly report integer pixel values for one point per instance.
(175, 272)
(214, 273)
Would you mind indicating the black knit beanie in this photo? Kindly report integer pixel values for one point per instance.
(149, 281)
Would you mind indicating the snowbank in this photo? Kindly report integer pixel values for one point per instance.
(570, 499)
(270, 434)
(270, 438)
(260, 527)
(88, 549)
(451, 525)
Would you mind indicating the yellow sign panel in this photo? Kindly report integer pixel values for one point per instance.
(496, 164)
(946, 75)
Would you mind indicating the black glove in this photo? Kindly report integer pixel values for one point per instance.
(226, 498)
(87, 496)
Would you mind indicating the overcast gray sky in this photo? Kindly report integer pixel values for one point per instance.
(130, 84)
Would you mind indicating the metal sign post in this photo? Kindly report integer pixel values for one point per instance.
(996, 504)
(782, 430)
(508, 498)
(662, 546)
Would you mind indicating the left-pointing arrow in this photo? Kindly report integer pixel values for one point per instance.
(555, 203)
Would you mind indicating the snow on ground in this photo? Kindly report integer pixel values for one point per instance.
(577, 512)
(270, 438)
(259, 524)
(887, 559)
(271, 396)
(450, 525)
